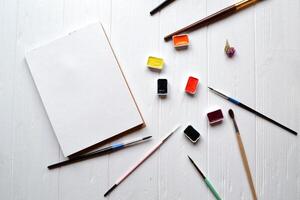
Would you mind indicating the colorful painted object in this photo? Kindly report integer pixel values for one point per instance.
(229, 50)
(155, 63)
(207, 182)
(191, 86)
(140, 161)
(215, 117)
(181, 41)
(162, 87)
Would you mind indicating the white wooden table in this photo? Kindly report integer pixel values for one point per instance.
(264, 74)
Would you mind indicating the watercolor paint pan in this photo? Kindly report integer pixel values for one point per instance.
(192, 134)
(162, 87)
(215, 117)
(181, 41)
(155, 63)
(191, 85)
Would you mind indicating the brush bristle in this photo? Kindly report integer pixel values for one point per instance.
(231, 114)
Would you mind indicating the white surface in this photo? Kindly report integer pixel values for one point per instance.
(83, 89)
(264, 74)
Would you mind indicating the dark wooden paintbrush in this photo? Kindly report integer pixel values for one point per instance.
(161, 6)
(100, 152)
(230, 10)
(240, 104)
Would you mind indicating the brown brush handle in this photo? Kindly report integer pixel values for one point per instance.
(246, 165)
(205, 21)
(214, 17)
(245, 4)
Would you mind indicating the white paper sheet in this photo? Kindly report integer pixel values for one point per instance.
(83, 89)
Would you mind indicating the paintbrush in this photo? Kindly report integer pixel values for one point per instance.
(161, 6)
(243, 154)
(207, 182)
(230, 10)
(145, 157)
(236, 102)
(100, 152)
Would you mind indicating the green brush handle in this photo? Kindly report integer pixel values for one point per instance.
(212, 189)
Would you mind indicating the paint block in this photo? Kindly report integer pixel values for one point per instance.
(181, 41)
(162, 87)
(192, 134)
(155, 63)
(191, 85)
(215, 117)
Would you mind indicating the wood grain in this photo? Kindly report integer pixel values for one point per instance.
(246, 165)
(264, 74)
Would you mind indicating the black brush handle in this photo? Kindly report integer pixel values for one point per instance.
(266, 118)
(82, 158)
(161, 6)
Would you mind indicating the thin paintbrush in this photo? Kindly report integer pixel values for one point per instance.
(207, 182)
(147, 155)
(214, 17)
(109, 149)
(161, 6)
(243, 154)
(236, 102)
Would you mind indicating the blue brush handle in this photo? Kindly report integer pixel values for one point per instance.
(117, 146)
(232, 100)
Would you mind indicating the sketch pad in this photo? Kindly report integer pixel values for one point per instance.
(83, 89)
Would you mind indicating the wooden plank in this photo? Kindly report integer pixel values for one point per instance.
(178, 178)
(277, 77)
(79, 13)
(8, 31)
(264, 74)
(234, 76)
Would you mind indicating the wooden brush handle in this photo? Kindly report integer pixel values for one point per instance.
(214, 17)
(246, 165)
(205, 21)
(245, 4)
